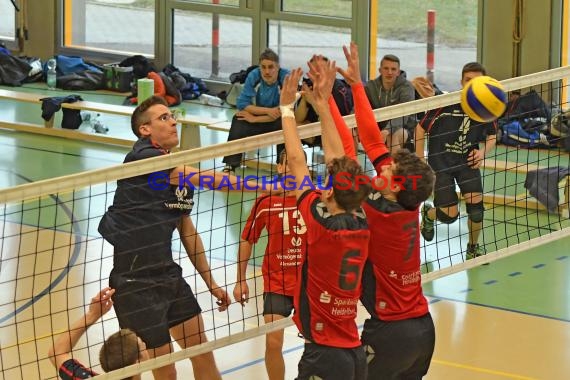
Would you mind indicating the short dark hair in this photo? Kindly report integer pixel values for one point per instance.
(473, 67)
(391, 58)
(340, 170)
(270, 55)
(418, 177)
(119, 350)
(139, 117)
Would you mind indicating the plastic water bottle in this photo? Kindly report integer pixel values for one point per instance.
(211, 100)
(51, 74)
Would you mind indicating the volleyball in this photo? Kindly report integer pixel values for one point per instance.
(483, 99)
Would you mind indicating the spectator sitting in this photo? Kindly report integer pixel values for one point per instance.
(258, 105)
(389, 88)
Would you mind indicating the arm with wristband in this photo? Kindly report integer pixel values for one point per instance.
(295, 155)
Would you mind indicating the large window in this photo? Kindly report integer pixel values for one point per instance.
(296, 43)
(335, 8)
(402, 31)
(207, 51)
(7, 21)
(122, 26)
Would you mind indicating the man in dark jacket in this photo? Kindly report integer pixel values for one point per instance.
(389, 88)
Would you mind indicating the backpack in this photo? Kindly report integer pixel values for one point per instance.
(514, 134)
(13, 70)
(342, 94)
(526, 106)
(241, 75)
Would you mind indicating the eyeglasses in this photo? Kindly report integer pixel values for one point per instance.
(167, 116)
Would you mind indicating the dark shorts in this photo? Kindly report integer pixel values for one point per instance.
(468, 180)
(399, 349)
(152, 302)
(274, 303)
(332, 363)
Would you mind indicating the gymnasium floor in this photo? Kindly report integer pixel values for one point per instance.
(507, 320)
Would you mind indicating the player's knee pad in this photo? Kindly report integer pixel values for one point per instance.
(475, 212)
(444, 218)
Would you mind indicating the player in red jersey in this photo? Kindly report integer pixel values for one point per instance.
(286, 231)
(400, 330)
(337, 241)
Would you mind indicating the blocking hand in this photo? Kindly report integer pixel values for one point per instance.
(289, 90)
(352, 73)
(323, 73)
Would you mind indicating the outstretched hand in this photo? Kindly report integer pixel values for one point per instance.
(323, 74)
(289, 90)
(352, 72)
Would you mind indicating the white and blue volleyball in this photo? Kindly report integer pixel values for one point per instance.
(483, 99)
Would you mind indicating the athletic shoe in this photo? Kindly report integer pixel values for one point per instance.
(427, 226)
(473, 251)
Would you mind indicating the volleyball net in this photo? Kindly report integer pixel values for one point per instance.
(53, 259)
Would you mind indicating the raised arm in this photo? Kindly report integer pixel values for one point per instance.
(99, 306)
(323, 74)
(368, 131)
(295, 155)
(343, 131)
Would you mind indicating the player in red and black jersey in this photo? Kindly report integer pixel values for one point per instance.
(286, 230)
(454, 152)
(337, 241)
(119, 350)
(400, 330)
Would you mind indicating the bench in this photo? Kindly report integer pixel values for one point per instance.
(189, 136)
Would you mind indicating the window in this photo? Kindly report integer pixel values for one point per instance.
(196, 52)
(296, 43)
(334, 8)
(122, 26)
(7, 21)
(233, 3)
(402, 31)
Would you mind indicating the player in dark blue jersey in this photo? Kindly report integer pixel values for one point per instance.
(457, 145)
(152, 298)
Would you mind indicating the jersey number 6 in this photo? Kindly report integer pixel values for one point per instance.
(349, 277)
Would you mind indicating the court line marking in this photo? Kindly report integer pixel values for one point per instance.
(483, 370)
(498, 308)
(437, 361)
(77, 248)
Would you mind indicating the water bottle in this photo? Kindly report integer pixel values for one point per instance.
(211, 100)
(51, 74)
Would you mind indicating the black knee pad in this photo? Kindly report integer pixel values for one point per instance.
(444, 218)
(475, 212)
